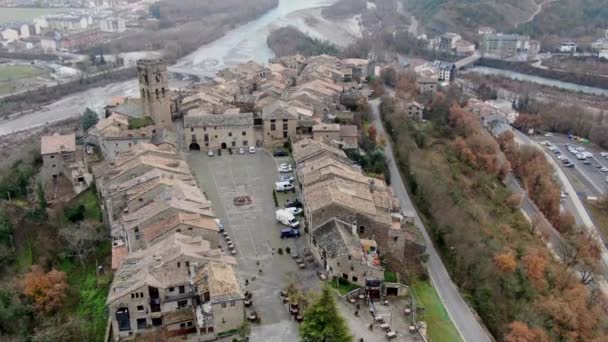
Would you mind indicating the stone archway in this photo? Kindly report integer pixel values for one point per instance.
(224, 146)
(195, 147)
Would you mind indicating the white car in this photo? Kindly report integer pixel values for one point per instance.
(285, 168)
(562, 157)
(604, 154)
(286, 178)
(252, 149)
(548, 134)
(294, 211)
(210, 153)
(580, 149)
(581, 156)
(604, 169)
(241, 150)
(563, 195)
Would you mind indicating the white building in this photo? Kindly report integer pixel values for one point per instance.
(568, 47)
(603, 54)
(9, 34)
(112, 24)
(48, 45)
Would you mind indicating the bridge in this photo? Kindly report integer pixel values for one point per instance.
(468, 60)
(198, 75)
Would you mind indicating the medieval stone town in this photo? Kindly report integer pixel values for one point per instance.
(220, 196)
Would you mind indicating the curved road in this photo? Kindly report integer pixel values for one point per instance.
(461, 314)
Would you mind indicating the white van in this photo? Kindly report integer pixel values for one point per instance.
(287, 218)
(283, 186)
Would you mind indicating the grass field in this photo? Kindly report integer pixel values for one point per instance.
(10, 74)
(439, 324)
(8, 15)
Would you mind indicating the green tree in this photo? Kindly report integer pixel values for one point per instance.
(322, 321)
(88, 119)
(42, 203)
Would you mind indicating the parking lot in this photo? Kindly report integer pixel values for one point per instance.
(586, 176)
(256, 235)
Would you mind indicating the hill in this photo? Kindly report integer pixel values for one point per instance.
(289, 40)
(465, 16)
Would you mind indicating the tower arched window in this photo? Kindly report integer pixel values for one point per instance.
(163, 91)
(146, 79)
(157, 77)
(157, 93)
(143, 93)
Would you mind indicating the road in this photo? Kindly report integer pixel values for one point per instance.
(461, 314)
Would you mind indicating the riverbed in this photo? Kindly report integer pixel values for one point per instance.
(245, 43)
(539, 80)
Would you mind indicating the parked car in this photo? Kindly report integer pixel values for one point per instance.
(587, 162)
(294, 210)
(280, 153)
(286, 178)
(562, 157)
(252, 149)
(290, 233)
(241, 150)
(604, 154)
(284, 168)
(293, 204)
(569, 164)
(604, 169)
(220, 226)
(287, 218)
(210, 153)
(283, 186)
(581, 156)
(548, 134)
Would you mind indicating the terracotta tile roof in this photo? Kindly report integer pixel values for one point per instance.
(219, 279)
(56, 143)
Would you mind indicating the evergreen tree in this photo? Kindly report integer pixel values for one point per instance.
(323, 322)
(88, 119)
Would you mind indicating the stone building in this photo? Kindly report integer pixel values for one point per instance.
(280, 124)
(426, 85)
(204, 131)
(61, 158)
(342, 254)
(326, 132)
(156, 291)
(415, 111)
(154, 91)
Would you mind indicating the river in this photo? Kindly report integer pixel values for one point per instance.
(247, 42)
(539, 80)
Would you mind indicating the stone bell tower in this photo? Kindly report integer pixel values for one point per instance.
(154, 91)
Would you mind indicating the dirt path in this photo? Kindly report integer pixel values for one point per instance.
(538, 10)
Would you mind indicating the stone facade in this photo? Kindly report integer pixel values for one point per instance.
(154, 91)
(219, 131)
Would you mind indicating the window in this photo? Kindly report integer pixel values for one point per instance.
(345, 276)
(273, 121)
(244, 133)
(285, 120)
(233, 303)
(189, 324)
(234, 144)
(352, 268)
(142, 323)
(284, 134)
(157, 322)
(361, 229)
(355, 279)
(178, 230)
(285, 127)
(223, 305)
(182, 325)
(53, 157)
(54, 165)
(132, 295)
(182, 289)
(210, 329)
(191, 129)
(245, 143)
(350, 257)
(187, 263)
(140, 308)
(182, 303)
(395, 238)
(273, 127)
(141, 295)
(179, 264)
(229, 134)
(171, 289)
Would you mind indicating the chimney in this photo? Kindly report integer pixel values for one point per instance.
(372, 185)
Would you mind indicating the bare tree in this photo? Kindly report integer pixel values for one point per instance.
(81, 239)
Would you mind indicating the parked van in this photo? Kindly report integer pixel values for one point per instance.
(283, 186)
(287, 218)
(289, 233)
